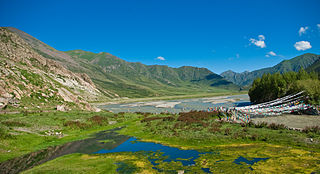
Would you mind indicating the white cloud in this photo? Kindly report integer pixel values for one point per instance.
(318, 25)
(160, 58)
(302, 45)
(261, 37)
(260, 42)
(303, 30)
(271, 53)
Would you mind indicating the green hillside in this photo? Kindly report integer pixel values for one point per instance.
(139, 80)
(294, 64)
(315, 67)
(117, 78)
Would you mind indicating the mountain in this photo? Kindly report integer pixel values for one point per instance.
(136, 79)
(115, 77)
(31, 81)
(315, 67)
(294, 64)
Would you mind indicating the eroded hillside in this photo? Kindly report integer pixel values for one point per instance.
(30, 81)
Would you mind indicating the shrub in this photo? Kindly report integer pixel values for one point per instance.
(275, 126)
(98, 120)
(76, 125)
(214, 130)
(254, 137)
(227, 131)
(195, 117)
(170, 118)
(261, 125)
(313, 129)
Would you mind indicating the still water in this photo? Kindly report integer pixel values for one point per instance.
(112, 142)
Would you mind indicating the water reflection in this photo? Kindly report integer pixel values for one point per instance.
(165, 153)
(87, 146)
(111, 142)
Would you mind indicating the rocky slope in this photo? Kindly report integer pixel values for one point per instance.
(294, 64)
(31, 81)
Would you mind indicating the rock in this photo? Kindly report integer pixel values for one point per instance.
(97, 109)
(14, 102)
(112, 122)
(61, 108)
(180, 171)
(2, 105)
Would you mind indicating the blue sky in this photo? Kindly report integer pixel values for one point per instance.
(218, 35)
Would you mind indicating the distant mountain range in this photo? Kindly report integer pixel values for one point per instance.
(246, 78)
(35, 75)
(109, 76)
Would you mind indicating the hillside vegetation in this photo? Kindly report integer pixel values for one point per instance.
(270, 87)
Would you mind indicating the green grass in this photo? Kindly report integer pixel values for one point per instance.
(196, 135)
(76, 163)
(288, 150)
(25, 139)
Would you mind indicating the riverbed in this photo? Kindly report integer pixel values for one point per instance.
(181, 105)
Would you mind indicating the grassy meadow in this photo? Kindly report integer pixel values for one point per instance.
(288, 150)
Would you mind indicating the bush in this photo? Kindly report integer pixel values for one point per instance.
(261, 125)
(98, 120)
(196, 117)
(275, 126)
(227, 131)
(76, 125)
(312, 129)
(254, 137)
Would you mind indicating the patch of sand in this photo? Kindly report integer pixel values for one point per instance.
(290, 120)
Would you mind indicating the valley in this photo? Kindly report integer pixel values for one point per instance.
(95, 112)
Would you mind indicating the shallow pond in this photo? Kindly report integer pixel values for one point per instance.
(112, 142)
(176, 106)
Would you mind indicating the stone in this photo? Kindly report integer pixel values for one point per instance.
(61, 108)
(97, 109)
(112, 122)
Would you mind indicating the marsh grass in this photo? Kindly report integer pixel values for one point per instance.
(24, 132)
(193, 130)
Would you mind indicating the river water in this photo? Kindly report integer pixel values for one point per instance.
(176, 106)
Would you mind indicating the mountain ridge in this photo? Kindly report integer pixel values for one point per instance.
(117, 78)
(295, 64)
